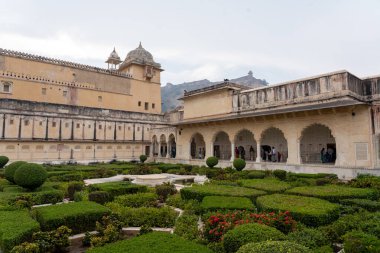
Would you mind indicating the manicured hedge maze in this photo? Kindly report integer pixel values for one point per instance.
(268, 184)
(334, 193)
(15, 228)
(308, 210)
(222, 202)
(78, 216)
(153, 242)
(198, 192)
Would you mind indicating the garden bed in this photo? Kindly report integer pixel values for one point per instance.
(198, 192)
(78, 216)
(157, 242)
(270, 185)
(222, 202)
(334, 193)
(308, 210)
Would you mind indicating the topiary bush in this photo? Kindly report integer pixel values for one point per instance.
(359, 242)
(256, 174)
(308, 210)
(212, 161)
(222, 202)
(164, 190)
(309, 237)
(274, 246)
(11, 169)
(143, 158)
(30, 176)
(370, 205)
(247, 233)
(74, 187)
(147, 199)
(334, 193)
(3, 161)
(280, 174)
(271, 185)
(99, 197)
(239, 164)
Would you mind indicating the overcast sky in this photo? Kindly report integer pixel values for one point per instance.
(203, 39)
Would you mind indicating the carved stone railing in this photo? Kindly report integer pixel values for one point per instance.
(63, 63)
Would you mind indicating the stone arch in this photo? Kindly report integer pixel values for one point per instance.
(273, 137)
(172, 148)
(197, 146)
(245, 145)
(154, 145)
(163, 145)
(317, 144)
(222, 145)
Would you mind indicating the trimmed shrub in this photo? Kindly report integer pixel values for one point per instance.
(256, 174)
(247, 233)
(310, 175)
(271, 185)
(78, 216)
(280, 174)
(239, 164)
(118, 188)
(360, 242)
(273, 246)
(145, 199)
(100, 197)
(15, 227)
(30, 176)
(198, 192)
(157, 242)
(309, 237)
(222, 202)
(11, 169)
(212, 161)
(143, 158)
(308, 210)
(334, 193)
(74, 187)
(167, 166)
(364, 221)
(151, 216)
(366, 181)
(370, 205)
(164, 190)
(186, 226)
(3, 161)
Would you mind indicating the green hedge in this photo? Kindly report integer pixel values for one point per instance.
(156, 242)
(247, 233)
(308, 210)
(198, 192)
(143, 199)
(310, 175)
(274, 247)
(334, 193)
(15, 228)
(271, 185)
(78, 216)
(222, 202)
(165, 167)
(136, 217)
(118, 188)
(370, 205)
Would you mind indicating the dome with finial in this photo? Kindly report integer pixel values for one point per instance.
(114, 58)
(140, 56)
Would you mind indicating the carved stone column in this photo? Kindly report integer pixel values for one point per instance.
(258, 148)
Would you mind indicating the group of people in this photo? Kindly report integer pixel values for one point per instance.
(201, 153)
(270, 154)
(240, 152)
(328, 156)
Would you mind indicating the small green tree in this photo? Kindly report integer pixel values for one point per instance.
(30, 176)
(11, 169)
(143, 158)
(212, 161)
(239, 164)
(3, 161)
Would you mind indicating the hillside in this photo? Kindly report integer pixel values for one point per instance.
(171, 92)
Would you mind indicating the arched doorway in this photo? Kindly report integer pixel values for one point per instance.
(197, 147)
(163, 146)
(245, 145)
(154, 146)
(172, 146)
(274, 146)
(222, 146)
(317, 145)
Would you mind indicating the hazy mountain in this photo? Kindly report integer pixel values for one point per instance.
(171, 92)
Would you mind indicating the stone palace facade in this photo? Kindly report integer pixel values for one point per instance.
(58, 111)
